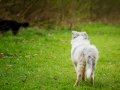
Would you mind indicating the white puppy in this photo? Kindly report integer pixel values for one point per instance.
(84, 56)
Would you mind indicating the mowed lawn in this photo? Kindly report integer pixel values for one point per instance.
(41, 59)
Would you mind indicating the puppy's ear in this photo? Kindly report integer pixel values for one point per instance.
(85, 35)
(74, 32)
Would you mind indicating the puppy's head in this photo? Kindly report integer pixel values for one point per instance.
(76, 34)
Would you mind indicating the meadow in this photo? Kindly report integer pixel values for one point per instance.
(41, 59)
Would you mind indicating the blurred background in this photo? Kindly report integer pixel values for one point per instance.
(51, 14)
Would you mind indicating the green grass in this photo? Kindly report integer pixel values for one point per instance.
(40, 59)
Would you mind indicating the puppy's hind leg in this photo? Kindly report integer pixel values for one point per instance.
(78, 79)
(92, 78)
(93, 69)
(75, 66)
(84, 74)
(84, 69)
(79, 74)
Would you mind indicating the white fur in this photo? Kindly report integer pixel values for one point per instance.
(81, 45)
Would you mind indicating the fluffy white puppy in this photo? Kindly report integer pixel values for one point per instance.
(84, 56)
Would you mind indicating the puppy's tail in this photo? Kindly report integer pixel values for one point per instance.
(88, 66)
(25, 24)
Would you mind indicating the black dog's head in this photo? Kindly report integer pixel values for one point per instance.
(25, 24)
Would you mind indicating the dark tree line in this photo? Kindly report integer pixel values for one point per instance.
(70, 11)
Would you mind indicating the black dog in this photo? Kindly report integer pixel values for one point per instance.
(13, 25)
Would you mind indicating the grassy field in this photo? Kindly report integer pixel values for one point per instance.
(40, 59)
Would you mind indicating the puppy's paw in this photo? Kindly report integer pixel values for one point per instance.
(75, 85)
